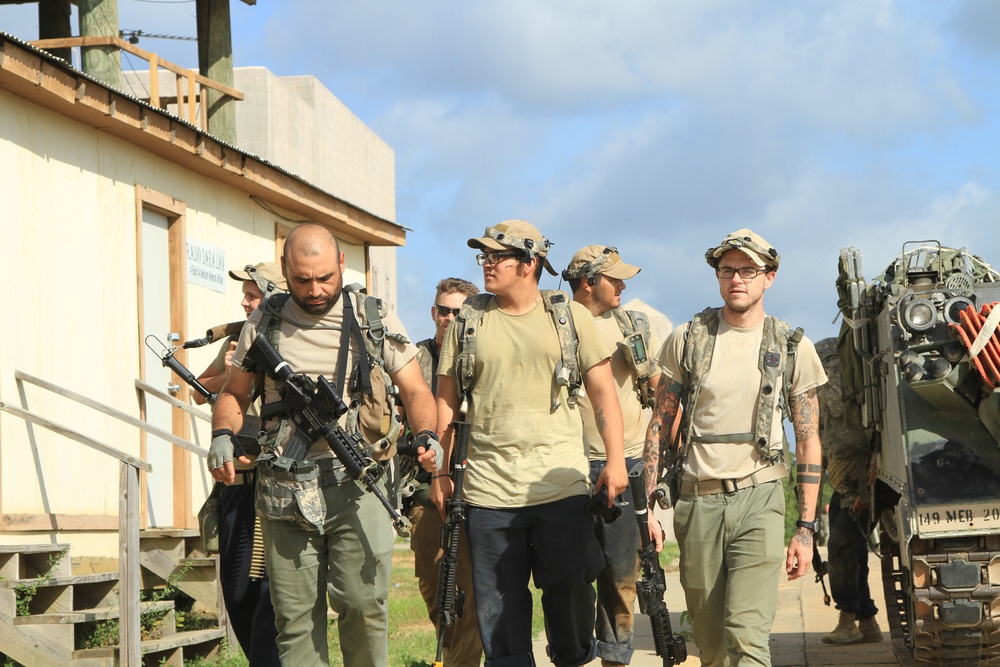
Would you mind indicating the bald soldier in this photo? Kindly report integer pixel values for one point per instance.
(345, 553)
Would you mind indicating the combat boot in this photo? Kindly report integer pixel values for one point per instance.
(846, 631)
(870, 632)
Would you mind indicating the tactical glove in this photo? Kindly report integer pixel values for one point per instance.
(429, 440)
(221, 450)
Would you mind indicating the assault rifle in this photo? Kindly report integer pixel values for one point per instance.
(166, 355)
(449, 598)
(315, 407)
(653, 584)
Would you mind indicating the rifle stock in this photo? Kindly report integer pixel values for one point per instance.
(653, 585)
(449, 598)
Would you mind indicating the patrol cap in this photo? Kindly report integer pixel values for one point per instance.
(750, 244)
(592, 260)
(269, 270)
(515, 235)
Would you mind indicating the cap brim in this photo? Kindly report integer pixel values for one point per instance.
(548, 266)
(240, 275)
(622, 271)
(486, 243)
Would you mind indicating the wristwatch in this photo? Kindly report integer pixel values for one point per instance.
(811, 525)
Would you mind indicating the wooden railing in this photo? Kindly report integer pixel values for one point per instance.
(129, 498)
(190, 85)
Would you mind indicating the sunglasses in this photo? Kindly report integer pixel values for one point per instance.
(444, 311)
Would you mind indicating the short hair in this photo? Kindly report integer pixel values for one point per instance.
(455, 285)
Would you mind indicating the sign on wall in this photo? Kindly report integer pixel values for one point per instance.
(206, 265)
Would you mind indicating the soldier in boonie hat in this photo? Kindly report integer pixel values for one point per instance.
(750, 244)
(517, 235)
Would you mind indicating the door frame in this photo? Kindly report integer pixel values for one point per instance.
(175, 212)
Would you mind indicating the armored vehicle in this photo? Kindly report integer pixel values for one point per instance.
(921, 358)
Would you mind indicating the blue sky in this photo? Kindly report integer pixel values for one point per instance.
(655, 126)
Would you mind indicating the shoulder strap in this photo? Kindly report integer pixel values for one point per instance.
(634, 323)
(567, 373)
(351, 328)
(469, 318)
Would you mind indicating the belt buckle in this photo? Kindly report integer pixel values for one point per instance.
(729, 486)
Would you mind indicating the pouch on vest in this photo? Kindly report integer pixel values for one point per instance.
(284, 496)
(209, 518)
(377, 416)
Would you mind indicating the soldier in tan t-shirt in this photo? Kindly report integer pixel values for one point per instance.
(729, 516)
(527, 481)
(597, 276)
(346, 558)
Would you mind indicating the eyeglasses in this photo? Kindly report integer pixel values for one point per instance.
(746, 272)
(444, 311)
(494, 257)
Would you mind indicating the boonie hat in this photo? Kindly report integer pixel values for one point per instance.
(750, 244)
(269, 270)
(515, 235)
(592, 260)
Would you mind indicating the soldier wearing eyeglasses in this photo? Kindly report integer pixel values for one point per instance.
(462, 645)
(736, 372)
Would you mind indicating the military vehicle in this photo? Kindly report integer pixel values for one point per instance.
(921, 358)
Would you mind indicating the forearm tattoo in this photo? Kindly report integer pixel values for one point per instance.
(658, 433)
(805, 414)
(600, 420)
(805, 538)
(808, 473)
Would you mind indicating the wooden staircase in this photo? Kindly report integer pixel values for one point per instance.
(50, 617)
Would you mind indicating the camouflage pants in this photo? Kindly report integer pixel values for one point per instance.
(616, 582)
(732, 553)
(348, 565)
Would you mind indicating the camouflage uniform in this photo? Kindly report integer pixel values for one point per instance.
(463, 647)
(846, 455)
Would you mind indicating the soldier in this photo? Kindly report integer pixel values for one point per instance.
(727, 367)
(463, 648)
(341, 546)
(846, 452)
(597, 276)
(246, 593)
(513, 361)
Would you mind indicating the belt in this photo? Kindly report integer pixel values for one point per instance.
(332, 472)
(243, 477)
(730, 486)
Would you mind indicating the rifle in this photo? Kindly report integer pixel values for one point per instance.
(653, 584)
(818, 563)
(168, 359)
(315, 407)
(449, 598)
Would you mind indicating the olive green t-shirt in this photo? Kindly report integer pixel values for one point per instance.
(727, 402)
(521, 452)
(310, 344)
(634, 419)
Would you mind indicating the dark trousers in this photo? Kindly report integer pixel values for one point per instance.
(848, 563)
(554, 545)
(248, 601)
(619, 542)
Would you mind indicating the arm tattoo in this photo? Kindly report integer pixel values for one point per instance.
(601, 421)
(805, 538)
(658, 434)
(805, 414)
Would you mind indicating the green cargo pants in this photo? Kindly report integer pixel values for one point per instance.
(732, 553)
(349, 565)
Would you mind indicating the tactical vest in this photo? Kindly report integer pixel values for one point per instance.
(777, 354)
(567, 372)
(632, 322)
(372, 405)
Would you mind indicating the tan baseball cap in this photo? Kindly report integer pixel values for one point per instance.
(592, 260)
(750, 244)
(269, 270)
(515, 235)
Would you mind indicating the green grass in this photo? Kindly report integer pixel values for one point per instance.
(412, 640)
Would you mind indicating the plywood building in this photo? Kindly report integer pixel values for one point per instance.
(119, 222)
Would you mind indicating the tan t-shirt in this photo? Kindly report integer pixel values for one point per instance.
(310, 344)
(520, 452)
(728, 399)
(633, 417)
